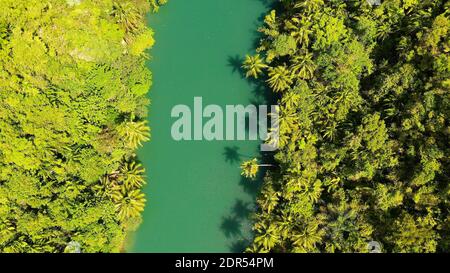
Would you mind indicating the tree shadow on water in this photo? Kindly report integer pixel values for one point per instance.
(269, 4)
(239, 246)
(250, 186)
(231, 226)
(242, 209)
(233, 156)
(235, 62)
(237, 226)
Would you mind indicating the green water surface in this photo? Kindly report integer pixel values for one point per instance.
(197, 200)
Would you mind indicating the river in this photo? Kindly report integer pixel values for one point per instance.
(197, 200)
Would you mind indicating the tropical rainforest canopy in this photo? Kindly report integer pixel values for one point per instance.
(364, 126)
(73, 87)
(363, 94)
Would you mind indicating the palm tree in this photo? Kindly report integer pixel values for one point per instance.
(330, 130)
(300, 30)
(250, 168)
(131, 174)
(307, 237)
(313, 191)
(127, 15)
(134, 133)
(267, 236)
(128, 204)
(105, 187)
(383, 31)
(253, 65)
(288, 120)
(303, 66)
(272, 25)
(269, 199)
(310, 5)
(279, 78)
(291, 100)
(254, 248)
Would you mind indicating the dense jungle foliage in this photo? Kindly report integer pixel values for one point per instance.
(73, 87)
(364, 126)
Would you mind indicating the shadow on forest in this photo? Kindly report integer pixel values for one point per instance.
(237, 224)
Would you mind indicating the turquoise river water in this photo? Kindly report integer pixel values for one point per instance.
(197, 200)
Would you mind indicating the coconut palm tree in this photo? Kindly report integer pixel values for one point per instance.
(131, 174)
(128, 203)
(383, 31)
(288, 120)
(254, 248)
(269, 199)
(330, 130)
(303, 66)
(250, 168)
(134, 133)
(305, 239)
(310, 5)
(291, 99)
(127, 15)
(254, 66)
(300, 30)
(105, 187)
(268, 235)
(279, 78)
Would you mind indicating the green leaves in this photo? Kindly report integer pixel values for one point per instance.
(279, 78)
(268, 236)
(414, 234)
(284, 45)
(128, 204)
(254, 66)
(155, 4)
(303, 66)
(250, 168)
(71, 72)
(123, 187)
(362, 111)
(132, 175)
(134, 133)
(127, 15)
(142, 42)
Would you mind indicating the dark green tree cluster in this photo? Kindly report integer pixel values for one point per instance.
(73, 87)
(364, 126)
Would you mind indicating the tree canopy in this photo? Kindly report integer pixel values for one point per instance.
(363, 92)
(73, 85)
